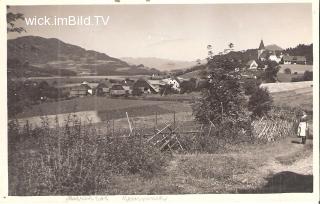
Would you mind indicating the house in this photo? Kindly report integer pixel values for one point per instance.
(155, 84)
(79, 91)
(91, 87)
(145, 86)
(174, 82)
(274, 57)
(252, 64)
(294, 59)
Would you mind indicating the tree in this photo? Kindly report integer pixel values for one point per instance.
(17, 98)
(231, 45)
(222, 97)
(287, 71)
(250, 86)
(187, 86)
(260, 102)
(308, 76)
(11, 19)
(270, 73)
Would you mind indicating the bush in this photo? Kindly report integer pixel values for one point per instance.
(250, 86)
(287, 71)
(307, 76)
(187, 86)
(216, 138)
(75, 160)
(260, 102)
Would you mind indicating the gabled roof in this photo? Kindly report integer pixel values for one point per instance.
(143, 83)
(261, 46)
(250, 62)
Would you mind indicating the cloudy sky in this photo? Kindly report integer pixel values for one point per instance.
(179, 32)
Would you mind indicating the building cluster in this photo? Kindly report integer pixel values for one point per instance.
(114, 88)
(274, 55)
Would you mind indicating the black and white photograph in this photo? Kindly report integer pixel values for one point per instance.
(160, 99)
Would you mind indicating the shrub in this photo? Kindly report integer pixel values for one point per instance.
(250, 86)
(308, 76)
(187, 86)
(216, 138)
(287, 71)
(260, 102)
(75, 160)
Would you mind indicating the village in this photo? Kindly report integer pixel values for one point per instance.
(160, 84)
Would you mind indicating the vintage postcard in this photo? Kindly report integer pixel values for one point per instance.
(159, 101)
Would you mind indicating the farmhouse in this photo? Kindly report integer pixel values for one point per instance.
(79, 90)
(275, 57)
(174, 82)
(91, 87)
(294, 59)
(145, 86)
(155, 83)
(252, 64)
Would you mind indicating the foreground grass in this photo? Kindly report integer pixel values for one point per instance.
(246, 169)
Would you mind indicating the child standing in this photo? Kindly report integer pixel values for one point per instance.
(303, 128)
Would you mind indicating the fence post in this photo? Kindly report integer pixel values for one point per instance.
(156, 123)
(112, 127)
(174, 119)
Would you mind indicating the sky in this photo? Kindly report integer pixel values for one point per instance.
(179, 32)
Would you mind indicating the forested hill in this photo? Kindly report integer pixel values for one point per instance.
(302, 50)
(36, 56)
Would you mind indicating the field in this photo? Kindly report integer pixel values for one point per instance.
(282, 77)
(300, 69)
(100, 104)
(79, 79)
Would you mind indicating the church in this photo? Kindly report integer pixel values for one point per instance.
(267, 53)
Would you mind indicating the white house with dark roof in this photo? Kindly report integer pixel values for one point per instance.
(252, 64)
(294, 59)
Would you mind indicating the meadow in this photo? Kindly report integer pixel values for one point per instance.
(299, 68)
(100, 158)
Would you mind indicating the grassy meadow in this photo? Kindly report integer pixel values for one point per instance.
(101, 158)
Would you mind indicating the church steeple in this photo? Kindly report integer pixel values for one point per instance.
(261, 46)
(261, 49)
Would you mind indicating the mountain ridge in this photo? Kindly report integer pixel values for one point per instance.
(51, 53)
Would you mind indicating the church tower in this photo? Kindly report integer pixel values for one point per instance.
(261, 49)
